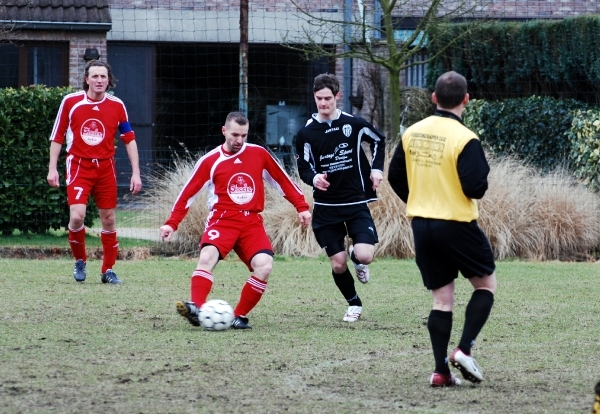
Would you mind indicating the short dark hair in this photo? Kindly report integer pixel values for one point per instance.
(237, 117)
(111, 78)
(450, 89)
(326, 80)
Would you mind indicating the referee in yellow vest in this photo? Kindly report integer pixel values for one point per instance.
(439, 170)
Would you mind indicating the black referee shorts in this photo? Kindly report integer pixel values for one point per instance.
(443, 248)
(332, 223)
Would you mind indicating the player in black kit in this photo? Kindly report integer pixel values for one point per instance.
(331, 159)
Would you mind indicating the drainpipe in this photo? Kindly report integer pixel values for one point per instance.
(347, 61)
(243, 96)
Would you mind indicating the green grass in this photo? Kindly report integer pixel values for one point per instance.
(137, 218)
(67, 347)
(59, 239)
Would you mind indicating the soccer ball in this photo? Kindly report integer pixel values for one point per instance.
(215, 315)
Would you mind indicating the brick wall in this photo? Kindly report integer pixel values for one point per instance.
(222, 5)
(78, 42)
(543, 9)
(494, 8)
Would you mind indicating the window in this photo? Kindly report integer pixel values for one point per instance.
(415, 75)
(34, 64)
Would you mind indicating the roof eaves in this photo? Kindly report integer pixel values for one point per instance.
(46, 25)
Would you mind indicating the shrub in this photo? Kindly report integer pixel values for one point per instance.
(531, 129)
(417, 104)
(557, 58)
(525, 215)
(584, 136)
(536, 216)
(27, 202)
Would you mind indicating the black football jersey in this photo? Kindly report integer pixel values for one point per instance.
(334, 147)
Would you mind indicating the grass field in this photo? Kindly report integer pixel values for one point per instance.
(72, 348)
(137, 223)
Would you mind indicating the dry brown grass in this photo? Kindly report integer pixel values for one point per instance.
(165, 186)
(525, 215)
(530, 216)
(419, 104)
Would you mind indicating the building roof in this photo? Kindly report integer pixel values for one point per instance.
(56, 14)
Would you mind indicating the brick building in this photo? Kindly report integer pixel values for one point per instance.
(46, 42)
(177, 62)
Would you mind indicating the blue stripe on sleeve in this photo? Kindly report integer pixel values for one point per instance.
(124, 127)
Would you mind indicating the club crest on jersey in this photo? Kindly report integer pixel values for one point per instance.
(347, 130)
(92, 132)
(241, 188)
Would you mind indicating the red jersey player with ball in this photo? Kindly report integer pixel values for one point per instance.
(87, 123)
(233, 175)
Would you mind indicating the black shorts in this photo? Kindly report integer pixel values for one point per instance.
(333, 223)
(444, 247)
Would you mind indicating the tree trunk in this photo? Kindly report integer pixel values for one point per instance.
(394, 110)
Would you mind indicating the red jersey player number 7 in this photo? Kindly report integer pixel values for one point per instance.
(87, 122)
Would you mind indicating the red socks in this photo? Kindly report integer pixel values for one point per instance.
(77, 243)
(201, 285)
(251, 293)
(110, 248)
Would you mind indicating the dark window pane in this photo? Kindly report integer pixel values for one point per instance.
(44, 65)
(9, 66)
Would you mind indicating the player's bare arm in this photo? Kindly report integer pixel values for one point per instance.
(53, 177)
(135, 184)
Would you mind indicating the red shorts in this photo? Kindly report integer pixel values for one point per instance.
(87, 176)
(241, 231)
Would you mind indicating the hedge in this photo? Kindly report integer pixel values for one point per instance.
(559, 58)
(532, 129)
(27, 202)
(584, 136)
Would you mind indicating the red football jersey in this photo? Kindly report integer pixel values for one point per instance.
(235, 182)
(89, 127)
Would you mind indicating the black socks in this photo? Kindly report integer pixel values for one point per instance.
(439, 325)
(476, 314)
(345, 283)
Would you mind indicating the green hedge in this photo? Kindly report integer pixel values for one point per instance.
(584, 136)
(531, 129)
(559, 58)
(27, 202)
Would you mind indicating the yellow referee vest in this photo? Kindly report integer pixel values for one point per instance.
(431, 148)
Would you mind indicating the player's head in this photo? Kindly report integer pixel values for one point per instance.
(96, 70)
(450, 90)
(235, 131)
(326, 90)
(326, 80)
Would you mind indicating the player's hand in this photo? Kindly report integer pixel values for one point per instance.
(136, 184)
(166, 232)
(376, 178)
(305, 217)
(53, 178)
(320, 182)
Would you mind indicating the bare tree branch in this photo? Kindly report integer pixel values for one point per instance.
(376, 41)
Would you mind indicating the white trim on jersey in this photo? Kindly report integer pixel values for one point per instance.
(346, 204)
